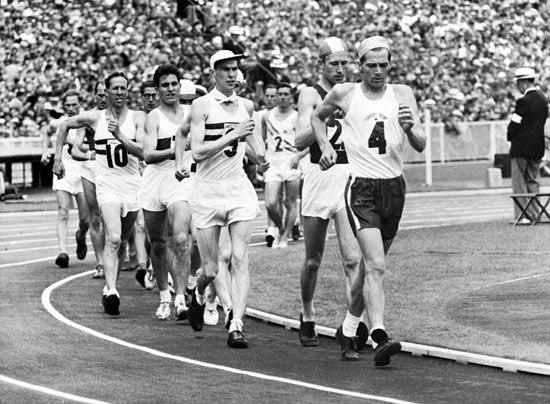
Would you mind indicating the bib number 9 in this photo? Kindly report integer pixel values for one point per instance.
(377, 138)
(231, 150)
(119, 156)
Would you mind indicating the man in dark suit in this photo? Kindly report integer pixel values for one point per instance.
(526, 134)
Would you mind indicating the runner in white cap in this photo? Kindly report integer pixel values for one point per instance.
(323, 192)
(378, 119)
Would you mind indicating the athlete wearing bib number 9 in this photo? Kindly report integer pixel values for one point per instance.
(378, 119)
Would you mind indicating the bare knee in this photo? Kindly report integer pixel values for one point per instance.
(113, 241)
(375, 267)
(158, 248)
(312, 265)
(272, 204)
(95, 220)
(351, 263)
(239, 260)
(63, 213)
(180, 241)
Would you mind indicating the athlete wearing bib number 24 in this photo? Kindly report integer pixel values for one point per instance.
(221, 126)
(378, 118)
(118, 150)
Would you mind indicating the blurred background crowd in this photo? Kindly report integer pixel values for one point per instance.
(456, 55)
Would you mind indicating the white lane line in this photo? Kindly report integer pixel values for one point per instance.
(48, 247)
(11, 236)
(29, 241)
(20, 263)
(51, 392)
(49, 307)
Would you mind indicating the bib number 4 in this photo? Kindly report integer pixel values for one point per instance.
(377, 138)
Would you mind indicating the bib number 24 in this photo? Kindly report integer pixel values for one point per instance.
(377, 138)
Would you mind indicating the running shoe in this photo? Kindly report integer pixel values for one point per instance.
(99, 272)
(296, 232)
(211, 315)
(164, 312)
(270, 236)
(111, 304)
(384, 351)
(236, 339)
(141, 274)
(81, 247)
(62, 260)
(307, 334)
(196, 314)
(182, 312)
(283, 244)
(362, 336)
(348, 350)
(150, 281)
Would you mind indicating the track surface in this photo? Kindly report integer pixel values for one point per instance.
(39, 349)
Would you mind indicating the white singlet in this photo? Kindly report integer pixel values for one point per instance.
(280, 134)
(372, 135)
(71, 182)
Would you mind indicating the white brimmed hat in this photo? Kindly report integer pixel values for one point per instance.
(236, 30)
(278, 64)
(187, 87)
(373, 42)
(524, 73)
(223, 55)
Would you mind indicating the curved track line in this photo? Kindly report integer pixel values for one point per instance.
(49, 307)
(51, 392)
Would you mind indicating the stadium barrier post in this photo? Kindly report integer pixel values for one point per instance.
(442, 145)
(428, 149)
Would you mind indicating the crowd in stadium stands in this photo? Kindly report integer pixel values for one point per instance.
(459, 54)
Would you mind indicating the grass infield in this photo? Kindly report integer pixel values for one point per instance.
(441, 287)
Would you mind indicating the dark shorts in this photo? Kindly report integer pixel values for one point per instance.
(375, 203)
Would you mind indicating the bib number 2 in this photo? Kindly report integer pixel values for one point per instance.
(117, 155)
(377, 139)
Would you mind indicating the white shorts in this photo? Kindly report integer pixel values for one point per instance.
(220, 203)
(71, 182)
(160, 189)
(88, 170)
(323, 191)
(121, 189)
(279, 169)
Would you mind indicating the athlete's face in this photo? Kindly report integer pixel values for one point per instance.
(150, 99)
(375, 67)
(225, 75)
(169, 89)
(71, 105)
(284, 97)
(334, 67)
(101, 97)
(270, 97)
(117, 91)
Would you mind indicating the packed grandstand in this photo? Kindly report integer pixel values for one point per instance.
(458, 54)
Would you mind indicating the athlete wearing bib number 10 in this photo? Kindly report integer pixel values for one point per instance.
(118, 150)
(378, 119)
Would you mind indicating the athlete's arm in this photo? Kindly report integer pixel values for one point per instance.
(150, 141)
(255, 142)
(182, 138)
(132, 146)
(76, 151)
(86, 118)
(307, 101)
(46, 134)
(200, 148)
(408, 117)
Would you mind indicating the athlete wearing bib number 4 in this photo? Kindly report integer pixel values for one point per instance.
(379, 117)
(118, 150)
(221, 126)
(323, 192)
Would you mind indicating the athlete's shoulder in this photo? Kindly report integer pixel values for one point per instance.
(309, 95)
(403, 93)
(342, 90)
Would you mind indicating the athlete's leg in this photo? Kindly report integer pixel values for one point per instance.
(63, 207)
(222, 282)
(155, 222)
(179, 218)
(273, 203)
(139, 241)
(97, 233)
(292, 189)
(113, 230)
(240, 233)
(349, 250)
(83, 225)
(315, 229)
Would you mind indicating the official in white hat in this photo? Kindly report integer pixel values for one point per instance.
(526, 137)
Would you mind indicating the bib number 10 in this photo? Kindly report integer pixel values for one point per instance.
(377, 138)
(117, 156)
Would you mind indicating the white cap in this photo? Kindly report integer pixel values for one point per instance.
(524, 73)
(222, 55)
(236, 30)
(240, 76)
(187, 87)
(278, 64)
(373, 42)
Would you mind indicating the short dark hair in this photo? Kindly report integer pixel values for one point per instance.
(164, 70)
(114, 75)
(70, 93)
(284, 84)
(100, 82)
(146, 84)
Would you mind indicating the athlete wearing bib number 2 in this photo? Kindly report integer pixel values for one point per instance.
(118, 132)
(378, 118)
(222, 194)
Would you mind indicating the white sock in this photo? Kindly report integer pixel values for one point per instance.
(226, 310)
(165, 296)
(113, 291)
(105, 290)
(180, 299)
(192, 282)
(236, 325)
(311, 310)
(201, 299)
(349, 327)
(212, 306)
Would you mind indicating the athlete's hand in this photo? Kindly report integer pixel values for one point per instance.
(328, 157)
(294, 161)
(58, 169)
(112, 126)
(182, 174)
(45, 159)
(244, 129)
(405, 117)
(263, 165)
(92, 155)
